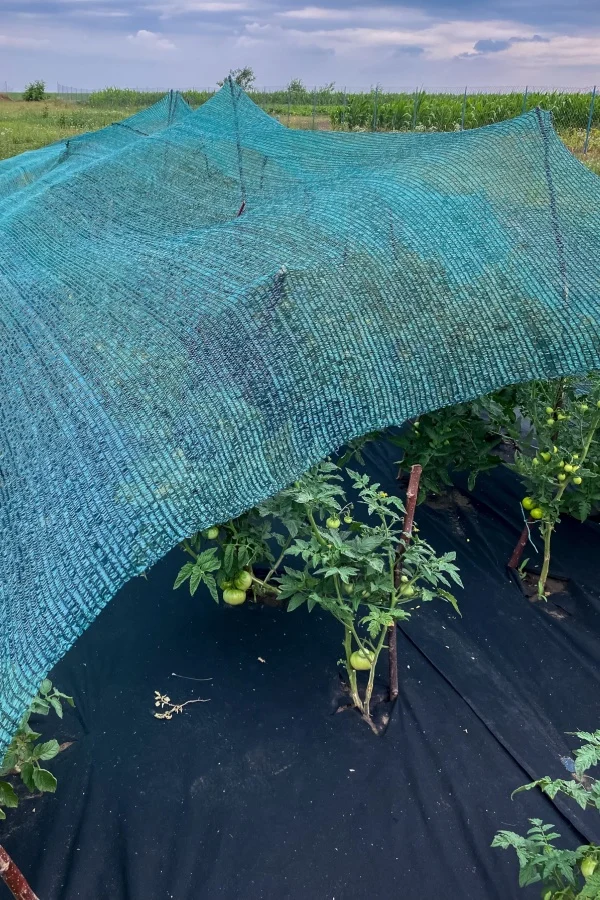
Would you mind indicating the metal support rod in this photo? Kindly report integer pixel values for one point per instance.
(344, 107)
(463, 111)
(409, 517)
(289, 99)
(314, 109)
(14, 879)
(414, 116)
(589, 124)
(375, 107)
(525, 95)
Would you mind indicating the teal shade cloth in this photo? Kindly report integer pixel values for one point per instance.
(195, 307)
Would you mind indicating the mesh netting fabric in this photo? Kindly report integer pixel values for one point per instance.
(193, 313)
(63, 157)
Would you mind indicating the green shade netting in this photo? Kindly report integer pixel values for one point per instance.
(167, 361)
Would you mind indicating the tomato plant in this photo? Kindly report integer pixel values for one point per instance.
(334, 561)
(554, 428)
(24, 755)
(454, 439)
(564, 874)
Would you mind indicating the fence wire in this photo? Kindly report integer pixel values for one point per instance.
(381, 108)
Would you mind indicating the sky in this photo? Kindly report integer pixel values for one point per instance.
(192, 43)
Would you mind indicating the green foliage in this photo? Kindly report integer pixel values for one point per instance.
(553, 426)
(244, 77)
(24, 755)
(564, 874)
(342, 565)
(552, 429)
(443, 112)
(35, 91)
(453, 439)
(129, 98)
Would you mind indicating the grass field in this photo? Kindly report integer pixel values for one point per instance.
(27, 126)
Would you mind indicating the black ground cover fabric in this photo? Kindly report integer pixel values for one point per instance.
(265, 792)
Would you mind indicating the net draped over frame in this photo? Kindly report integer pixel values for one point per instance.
(197, 306)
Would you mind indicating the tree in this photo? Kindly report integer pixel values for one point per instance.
(35, 91)
(244, 77)
(296, 88)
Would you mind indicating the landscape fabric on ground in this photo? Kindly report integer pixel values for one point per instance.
(197, 306)
(266, 792)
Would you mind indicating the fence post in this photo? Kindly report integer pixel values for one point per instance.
(375, 107)
(414, 115)
(344, 104)
(525, 95)
(314, 108)
(463, 111)
(589, 124)
(289, 99)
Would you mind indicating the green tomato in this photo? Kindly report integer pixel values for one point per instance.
(561, 476)
(347, 588)
(577, 480)
(546, 456)
(527, 502)
(583, 407)
(562, 417)
(333, 522)
(348, 520)
(598, 404)
(550, 410)
(234, 597)
(550, 422)
(212, 533)
(535, 461)
(243, 581)
(404, 579)
(407, 590)
(536, 513)
(588, 867)
(569, 467)
(362, 660)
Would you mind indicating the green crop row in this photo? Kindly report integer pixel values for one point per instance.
(450, 112)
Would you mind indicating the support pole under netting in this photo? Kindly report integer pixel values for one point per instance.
(407, 528)
(589, 123)
(14, 879)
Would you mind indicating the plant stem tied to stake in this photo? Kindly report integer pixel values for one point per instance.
(411, 502)
(14, 879)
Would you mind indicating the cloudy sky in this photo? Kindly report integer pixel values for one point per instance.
(191, 43)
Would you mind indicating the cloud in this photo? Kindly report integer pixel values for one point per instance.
(150, 40)
(24, 43)
(315, 12)
(358, 42)
(104, 13)
(491, 45)
(171, 8)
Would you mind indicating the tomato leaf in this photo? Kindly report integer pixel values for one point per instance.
(183, 574)
(8, 796)
(44, 780)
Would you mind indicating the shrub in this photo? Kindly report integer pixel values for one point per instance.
(36, 90)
